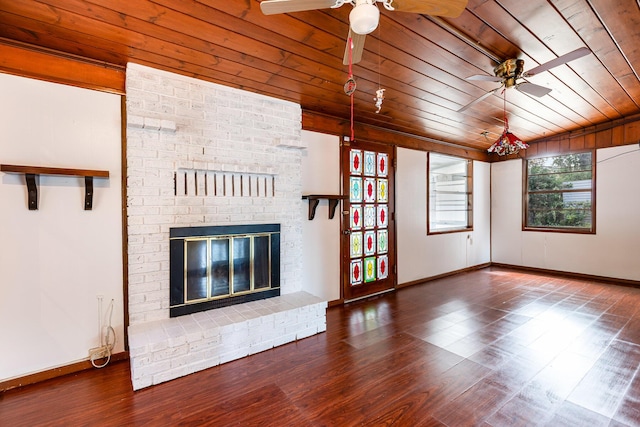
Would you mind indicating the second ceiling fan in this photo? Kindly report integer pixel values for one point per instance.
(510, 72)
(365, 15)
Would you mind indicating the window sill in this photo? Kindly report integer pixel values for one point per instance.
(449, 231)
(560, 230)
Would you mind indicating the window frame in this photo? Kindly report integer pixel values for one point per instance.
(525, 196)
(469, 194)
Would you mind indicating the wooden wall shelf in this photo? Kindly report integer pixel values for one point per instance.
(30, 173)
(314, 200)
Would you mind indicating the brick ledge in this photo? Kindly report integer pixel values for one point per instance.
(170, 348)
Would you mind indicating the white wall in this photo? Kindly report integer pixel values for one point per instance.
(56, 260)
(421, 256)
(321, 252)
(506, 212)
(611, 252)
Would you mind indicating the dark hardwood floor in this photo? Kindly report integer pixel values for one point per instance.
(494, 347)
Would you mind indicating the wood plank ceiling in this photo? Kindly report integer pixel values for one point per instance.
(420, 61)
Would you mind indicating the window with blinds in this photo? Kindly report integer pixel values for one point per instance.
(450, 194)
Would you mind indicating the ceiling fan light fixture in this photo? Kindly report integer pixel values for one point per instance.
(364, 18)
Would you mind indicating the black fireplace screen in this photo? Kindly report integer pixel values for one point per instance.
(222, 265)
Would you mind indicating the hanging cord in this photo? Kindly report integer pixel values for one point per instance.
(380, 92)
(107, 341)
(351, 78)
(379, 60)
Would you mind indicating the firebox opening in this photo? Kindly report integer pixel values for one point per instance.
(218, 266)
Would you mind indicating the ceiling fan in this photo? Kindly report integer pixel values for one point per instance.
(510, 71)
(365, 15)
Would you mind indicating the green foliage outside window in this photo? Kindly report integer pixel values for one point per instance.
(559, 192)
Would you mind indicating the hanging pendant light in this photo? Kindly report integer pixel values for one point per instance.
(507, 143)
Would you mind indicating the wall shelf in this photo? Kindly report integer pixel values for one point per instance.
(30, 173)
(314, 200)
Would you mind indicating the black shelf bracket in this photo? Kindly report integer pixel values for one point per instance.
(314, 200)
(88, 193)
(32, 191)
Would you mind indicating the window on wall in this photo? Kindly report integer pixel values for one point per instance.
(450, 194)
(559, 193)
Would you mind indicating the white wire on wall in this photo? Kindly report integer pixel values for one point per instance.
(107, 339)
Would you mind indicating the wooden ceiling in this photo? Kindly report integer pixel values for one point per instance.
(420, 61)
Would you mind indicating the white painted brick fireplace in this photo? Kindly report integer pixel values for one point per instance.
(203, 154)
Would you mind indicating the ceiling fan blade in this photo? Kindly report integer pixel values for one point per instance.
(272, 7)
(357, 41)
(578, 53)
(484, 77)
(533, 89)
(482, 98)
(448, 8)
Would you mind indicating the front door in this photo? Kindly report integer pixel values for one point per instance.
(368, 223)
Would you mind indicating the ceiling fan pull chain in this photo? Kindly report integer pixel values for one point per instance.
(504, 109)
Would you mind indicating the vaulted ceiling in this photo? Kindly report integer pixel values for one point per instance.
(422, 62)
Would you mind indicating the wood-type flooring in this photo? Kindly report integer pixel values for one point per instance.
(493, 347)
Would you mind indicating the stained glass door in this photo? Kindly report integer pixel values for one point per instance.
(368, 229)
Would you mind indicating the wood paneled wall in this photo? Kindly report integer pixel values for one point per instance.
(316, 122)
(43, 64)
(615, 133)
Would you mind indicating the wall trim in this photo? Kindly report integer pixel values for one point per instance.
(335, 302)
(56, 372)
(125, 220)
(602, 279)
(440, 276)
(26, 60)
